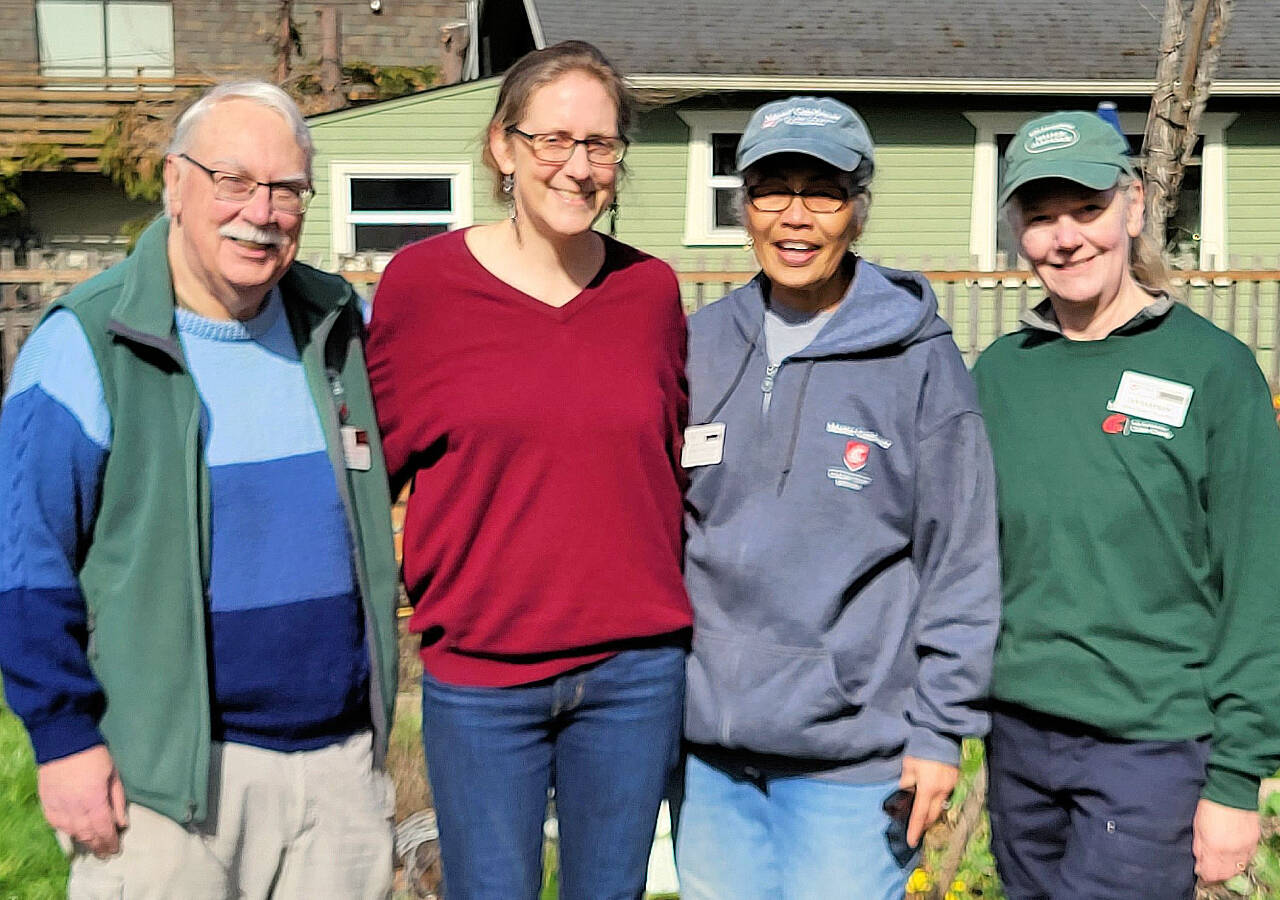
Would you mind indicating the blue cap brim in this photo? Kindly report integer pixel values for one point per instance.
(842, 158)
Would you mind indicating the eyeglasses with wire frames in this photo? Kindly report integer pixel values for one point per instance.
(776, 198)
(558, 147)
(286, 196)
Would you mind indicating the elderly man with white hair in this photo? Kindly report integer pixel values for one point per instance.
(197, 581)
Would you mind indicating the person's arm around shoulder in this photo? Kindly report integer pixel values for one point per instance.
(958, 601)
(1243, 675)
(54, 437)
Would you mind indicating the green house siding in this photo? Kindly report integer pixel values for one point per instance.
(438, 127)
(922, 192)
(1253, 189)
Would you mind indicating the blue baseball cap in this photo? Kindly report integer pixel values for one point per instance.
(815, 126)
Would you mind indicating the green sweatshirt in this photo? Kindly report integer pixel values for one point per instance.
(1140, 536)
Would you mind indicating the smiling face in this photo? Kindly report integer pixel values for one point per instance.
(1076, 239)
(802, 251)
(560, 199)
(233, 252)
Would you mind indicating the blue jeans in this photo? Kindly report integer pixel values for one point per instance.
(605, 737)
(784, 838)
(1078, 815)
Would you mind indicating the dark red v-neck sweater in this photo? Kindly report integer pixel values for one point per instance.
(543, 527)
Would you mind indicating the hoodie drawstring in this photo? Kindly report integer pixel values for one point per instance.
(737, 379)
(795, 426)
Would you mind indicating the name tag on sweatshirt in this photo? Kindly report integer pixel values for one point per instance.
(356, 449)
(1152, 398)
(703, 445)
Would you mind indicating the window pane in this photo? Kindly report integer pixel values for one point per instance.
(723, 149)
(728, 208)
(71, 37)
(140, 39)
(392, 237)
(1004, 234)
(401, 194)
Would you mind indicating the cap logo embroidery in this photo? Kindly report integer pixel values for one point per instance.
(799, 115)
(1051, 137)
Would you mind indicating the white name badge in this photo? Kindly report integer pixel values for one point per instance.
(703, 445)
(356, 449)
(1148, 397)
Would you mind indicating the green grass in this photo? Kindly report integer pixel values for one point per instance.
(32, 867)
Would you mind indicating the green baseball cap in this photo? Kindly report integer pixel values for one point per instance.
(1078, 146)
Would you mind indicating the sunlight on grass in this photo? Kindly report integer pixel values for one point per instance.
(31, 865)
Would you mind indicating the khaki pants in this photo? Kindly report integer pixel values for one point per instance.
(310, 824)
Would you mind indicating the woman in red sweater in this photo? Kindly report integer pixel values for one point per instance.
(529, 376)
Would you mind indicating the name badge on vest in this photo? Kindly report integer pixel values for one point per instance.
(703, 445)
(356, 449)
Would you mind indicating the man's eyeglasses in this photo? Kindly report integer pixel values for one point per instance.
(286, 196)
(776, 198)
(558, 147)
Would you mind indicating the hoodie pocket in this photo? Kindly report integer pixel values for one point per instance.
(768, 698)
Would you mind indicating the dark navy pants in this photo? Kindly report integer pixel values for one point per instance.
(1076, 815)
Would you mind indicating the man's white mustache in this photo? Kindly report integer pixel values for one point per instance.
(242, 232)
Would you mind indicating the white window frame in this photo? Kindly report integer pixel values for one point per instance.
(700, 184)
(343, 222)
(110, 67)
(1213, 181)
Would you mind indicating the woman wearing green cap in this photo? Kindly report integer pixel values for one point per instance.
(841, 552)
(1136, 692)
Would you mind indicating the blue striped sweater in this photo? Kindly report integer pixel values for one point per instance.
(289, 667)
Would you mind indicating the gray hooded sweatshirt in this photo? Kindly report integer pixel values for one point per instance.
(841, 558)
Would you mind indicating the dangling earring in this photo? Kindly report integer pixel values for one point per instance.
(508, 186)
(613, 219)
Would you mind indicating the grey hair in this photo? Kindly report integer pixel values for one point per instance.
(263, 93)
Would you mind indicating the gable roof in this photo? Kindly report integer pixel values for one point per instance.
(974, 42)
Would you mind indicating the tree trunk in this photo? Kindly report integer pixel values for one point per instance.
(284, 41)
(331, 56)
(1184, 75)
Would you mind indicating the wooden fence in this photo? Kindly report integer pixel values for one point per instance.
(980, 306)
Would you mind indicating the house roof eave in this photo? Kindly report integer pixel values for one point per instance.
(855, 84)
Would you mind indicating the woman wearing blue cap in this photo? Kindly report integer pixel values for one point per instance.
(841, 551)
(1137, 681)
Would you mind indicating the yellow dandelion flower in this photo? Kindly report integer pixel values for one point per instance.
(958, 886)
(919, 882)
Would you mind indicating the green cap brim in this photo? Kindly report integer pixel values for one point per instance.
(1093, 175)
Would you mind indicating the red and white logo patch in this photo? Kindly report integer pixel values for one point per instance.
(1114, 423)
(855, 455)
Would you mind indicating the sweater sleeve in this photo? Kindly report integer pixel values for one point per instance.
(54, 437)
(389, 324)
(1243, 501)
(956, 558)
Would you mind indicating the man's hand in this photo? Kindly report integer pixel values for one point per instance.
(933, 782)
(83, 797)
(1225, 840)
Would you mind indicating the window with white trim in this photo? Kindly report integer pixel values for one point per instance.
(1196, 232)
(96, 38)
(379, 207)
(713, 204)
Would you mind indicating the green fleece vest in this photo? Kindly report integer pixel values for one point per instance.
(146, 573)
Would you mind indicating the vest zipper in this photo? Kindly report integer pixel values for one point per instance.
(330, 411)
